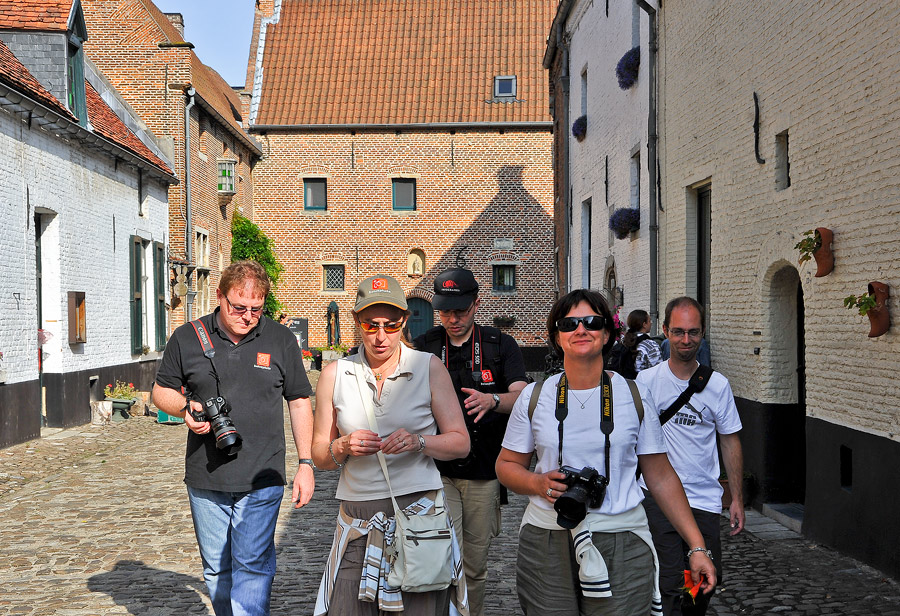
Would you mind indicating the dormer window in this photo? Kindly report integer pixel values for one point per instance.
(75, 97)
(505, 86)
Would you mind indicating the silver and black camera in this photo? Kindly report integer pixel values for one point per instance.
(215, 411)
(586, 488)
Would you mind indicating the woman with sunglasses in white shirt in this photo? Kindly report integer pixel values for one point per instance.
(584, 543)
(418, 419)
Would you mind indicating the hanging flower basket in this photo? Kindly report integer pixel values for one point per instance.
(627, 68)
(624, 221)
(579, 128)
(873, 304)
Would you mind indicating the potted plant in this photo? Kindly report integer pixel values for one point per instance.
(873, 304)
(307, 359)
(123, 396)
(627, 68)
(816, 244)
(625, 220)
(579, 128)
(504, 321)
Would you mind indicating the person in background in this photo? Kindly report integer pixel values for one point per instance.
(235, 491)
(488, 372)
(691, 435)
(644, 348)
(419, 422)
(577, 555)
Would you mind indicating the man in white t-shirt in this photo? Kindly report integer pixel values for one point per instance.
(691, 442)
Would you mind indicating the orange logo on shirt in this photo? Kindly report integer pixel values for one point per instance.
(487, 377)
(263, 359)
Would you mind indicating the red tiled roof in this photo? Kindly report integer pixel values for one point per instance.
(44, 15)
(107, 124)
(14, 74)
(392, 62)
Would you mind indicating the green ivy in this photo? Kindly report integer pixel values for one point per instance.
(249, 242)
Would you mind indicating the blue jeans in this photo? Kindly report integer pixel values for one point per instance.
(236, 535)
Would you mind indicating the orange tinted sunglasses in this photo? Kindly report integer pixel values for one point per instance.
(391, 327)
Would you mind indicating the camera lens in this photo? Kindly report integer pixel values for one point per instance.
(571, 507)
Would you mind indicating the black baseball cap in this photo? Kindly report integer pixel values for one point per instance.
(454, 289)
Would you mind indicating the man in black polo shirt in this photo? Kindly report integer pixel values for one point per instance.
(488, 373)
(235, 495)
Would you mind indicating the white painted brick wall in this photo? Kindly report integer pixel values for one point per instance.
(829, 73)
(43, 173)
(617, 125)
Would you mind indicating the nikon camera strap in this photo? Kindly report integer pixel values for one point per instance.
(606, 413)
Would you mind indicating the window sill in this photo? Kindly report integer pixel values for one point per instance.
(404, 213)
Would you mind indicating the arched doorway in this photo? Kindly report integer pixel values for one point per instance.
(421, 319)
(786, 312)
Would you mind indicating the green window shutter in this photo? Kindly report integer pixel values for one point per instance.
(159, 270)
(137, 329)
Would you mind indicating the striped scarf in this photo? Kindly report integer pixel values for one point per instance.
(379, 533)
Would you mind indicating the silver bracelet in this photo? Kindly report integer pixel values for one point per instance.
(331, 451)
(704, 550)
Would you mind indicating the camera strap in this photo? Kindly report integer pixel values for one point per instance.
(606, 413)
(209, 350)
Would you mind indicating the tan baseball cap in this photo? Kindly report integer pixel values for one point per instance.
(380, 289)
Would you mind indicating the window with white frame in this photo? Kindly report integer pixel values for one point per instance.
(226, 176)
(505, 86)
(148, 280)
(201, 258)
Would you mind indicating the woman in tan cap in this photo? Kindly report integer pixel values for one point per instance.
(418, 419)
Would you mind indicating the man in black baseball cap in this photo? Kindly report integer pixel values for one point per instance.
(488, 373)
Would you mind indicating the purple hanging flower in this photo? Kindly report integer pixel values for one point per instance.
(579, 128)
(627, 68)
(625, 220)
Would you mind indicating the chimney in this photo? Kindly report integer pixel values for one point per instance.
(177, 20)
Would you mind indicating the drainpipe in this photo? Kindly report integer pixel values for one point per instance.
(652, 155)
(564, 86)
(189, 226)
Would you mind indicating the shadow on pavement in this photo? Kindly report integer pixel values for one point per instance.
(142, 589)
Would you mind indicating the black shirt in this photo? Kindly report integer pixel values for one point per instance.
(501, 365)
(256, 376)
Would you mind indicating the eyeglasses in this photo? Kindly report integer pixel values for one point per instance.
(679, 333)
(593, 322)
(391, 327)
(456, 313)
(254, 310)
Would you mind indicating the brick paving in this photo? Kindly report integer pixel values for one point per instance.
(94, 521)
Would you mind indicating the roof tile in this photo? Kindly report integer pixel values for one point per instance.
(393, 62)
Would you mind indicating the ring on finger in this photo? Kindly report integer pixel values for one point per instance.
(550, 492)
(362, 443)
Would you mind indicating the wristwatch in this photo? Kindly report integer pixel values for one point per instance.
(421, 443)
(496, 401)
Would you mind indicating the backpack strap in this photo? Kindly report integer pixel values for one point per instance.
(535, 394)
(636, 396)
(697, 384)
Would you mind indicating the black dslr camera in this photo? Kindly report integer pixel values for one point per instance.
(216, 412)
(586, 488)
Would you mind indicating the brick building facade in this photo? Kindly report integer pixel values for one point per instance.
(403, 157)
(143, 53)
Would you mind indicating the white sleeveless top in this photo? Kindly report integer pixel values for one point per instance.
(405, 403)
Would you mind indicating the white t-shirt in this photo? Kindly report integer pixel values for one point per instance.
(583, 442)
(691, 433)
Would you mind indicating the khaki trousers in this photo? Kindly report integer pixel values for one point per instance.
(475, 507)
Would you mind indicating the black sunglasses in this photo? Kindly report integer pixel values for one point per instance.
(593, 322)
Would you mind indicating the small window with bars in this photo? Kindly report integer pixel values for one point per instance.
(333, 277)
(226, 177)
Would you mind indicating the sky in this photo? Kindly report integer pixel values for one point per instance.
(220, 31)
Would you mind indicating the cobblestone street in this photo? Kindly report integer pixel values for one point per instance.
(95, 521)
